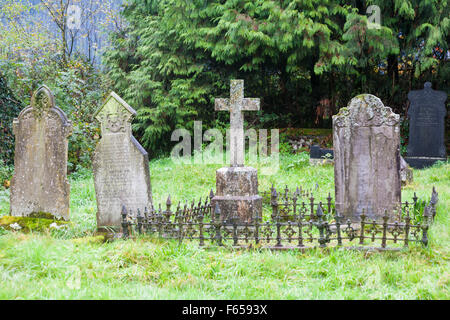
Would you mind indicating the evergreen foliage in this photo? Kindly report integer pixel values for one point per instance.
(9, 109)
(300, 57)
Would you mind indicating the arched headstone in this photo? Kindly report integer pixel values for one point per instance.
(366, 139)
(39, 186)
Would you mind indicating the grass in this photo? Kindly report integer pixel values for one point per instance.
(71, 264)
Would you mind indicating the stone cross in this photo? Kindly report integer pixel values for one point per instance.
(236, 104)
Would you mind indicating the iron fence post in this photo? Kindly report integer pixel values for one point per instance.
(361, 235)
(146, 219)
(338, 228)
(433, 202)
(385, 225)
(217, 225)
(256, 222)
(425, 225)
(329, 204)
(200, 229)
(276, 216)
(407, 226)
(235, 232)
(140, 218)
(125, 232)
(320, 225)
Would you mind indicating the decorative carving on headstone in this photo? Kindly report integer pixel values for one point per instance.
(426, 114)
(120, 164)
(39, 186)
(366, 140)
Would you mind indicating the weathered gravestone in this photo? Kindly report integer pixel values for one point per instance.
(426, 127)
(366, 140)
(39, 186)
(237, 185)
(120, 164)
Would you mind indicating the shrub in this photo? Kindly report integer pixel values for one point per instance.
(9, 109)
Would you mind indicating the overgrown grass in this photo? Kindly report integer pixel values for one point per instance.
(48, 266)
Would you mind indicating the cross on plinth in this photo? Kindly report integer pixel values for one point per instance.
(236, 104)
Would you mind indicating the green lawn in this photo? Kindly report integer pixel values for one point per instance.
(71, 264)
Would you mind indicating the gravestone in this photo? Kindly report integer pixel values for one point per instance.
(120, 165)
(237, 185)
(317, 155)
(426, 114)
(366, 140)
(39, 187)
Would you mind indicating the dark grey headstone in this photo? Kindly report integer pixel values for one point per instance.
(316, 152)
(426, 127)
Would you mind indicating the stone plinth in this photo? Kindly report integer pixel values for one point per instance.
(39, 186)
(237, 193)
(366, 139)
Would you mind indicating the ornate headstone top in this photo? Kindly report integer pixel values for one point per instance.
(115, 115)
(236, 104)
(43, 103)
(366, 110)
(42, 100)
(427, 95)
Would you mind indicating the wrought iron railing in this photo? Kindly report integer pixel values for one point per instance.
(294, 222)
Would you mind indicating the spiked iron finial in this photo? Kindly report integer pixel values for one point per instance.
(319, 211)
(217, 209)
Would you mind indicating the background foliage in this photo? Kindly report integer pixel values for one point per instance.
(10, 109)
(305, 59)
(32, 55)
(169, 59)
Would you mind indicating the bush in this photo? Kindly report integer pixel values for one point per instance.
(78, 91)
(9, 109)
(6, 173)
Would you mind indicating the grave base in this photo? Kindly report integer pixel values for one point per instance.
(422, 162)
(237, 193)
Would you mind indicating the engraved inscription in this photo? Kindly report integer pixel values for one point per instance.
(120, 165)
(425, 118)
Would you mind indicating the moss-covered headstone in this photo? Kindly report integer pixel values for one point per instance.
(39, 186)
